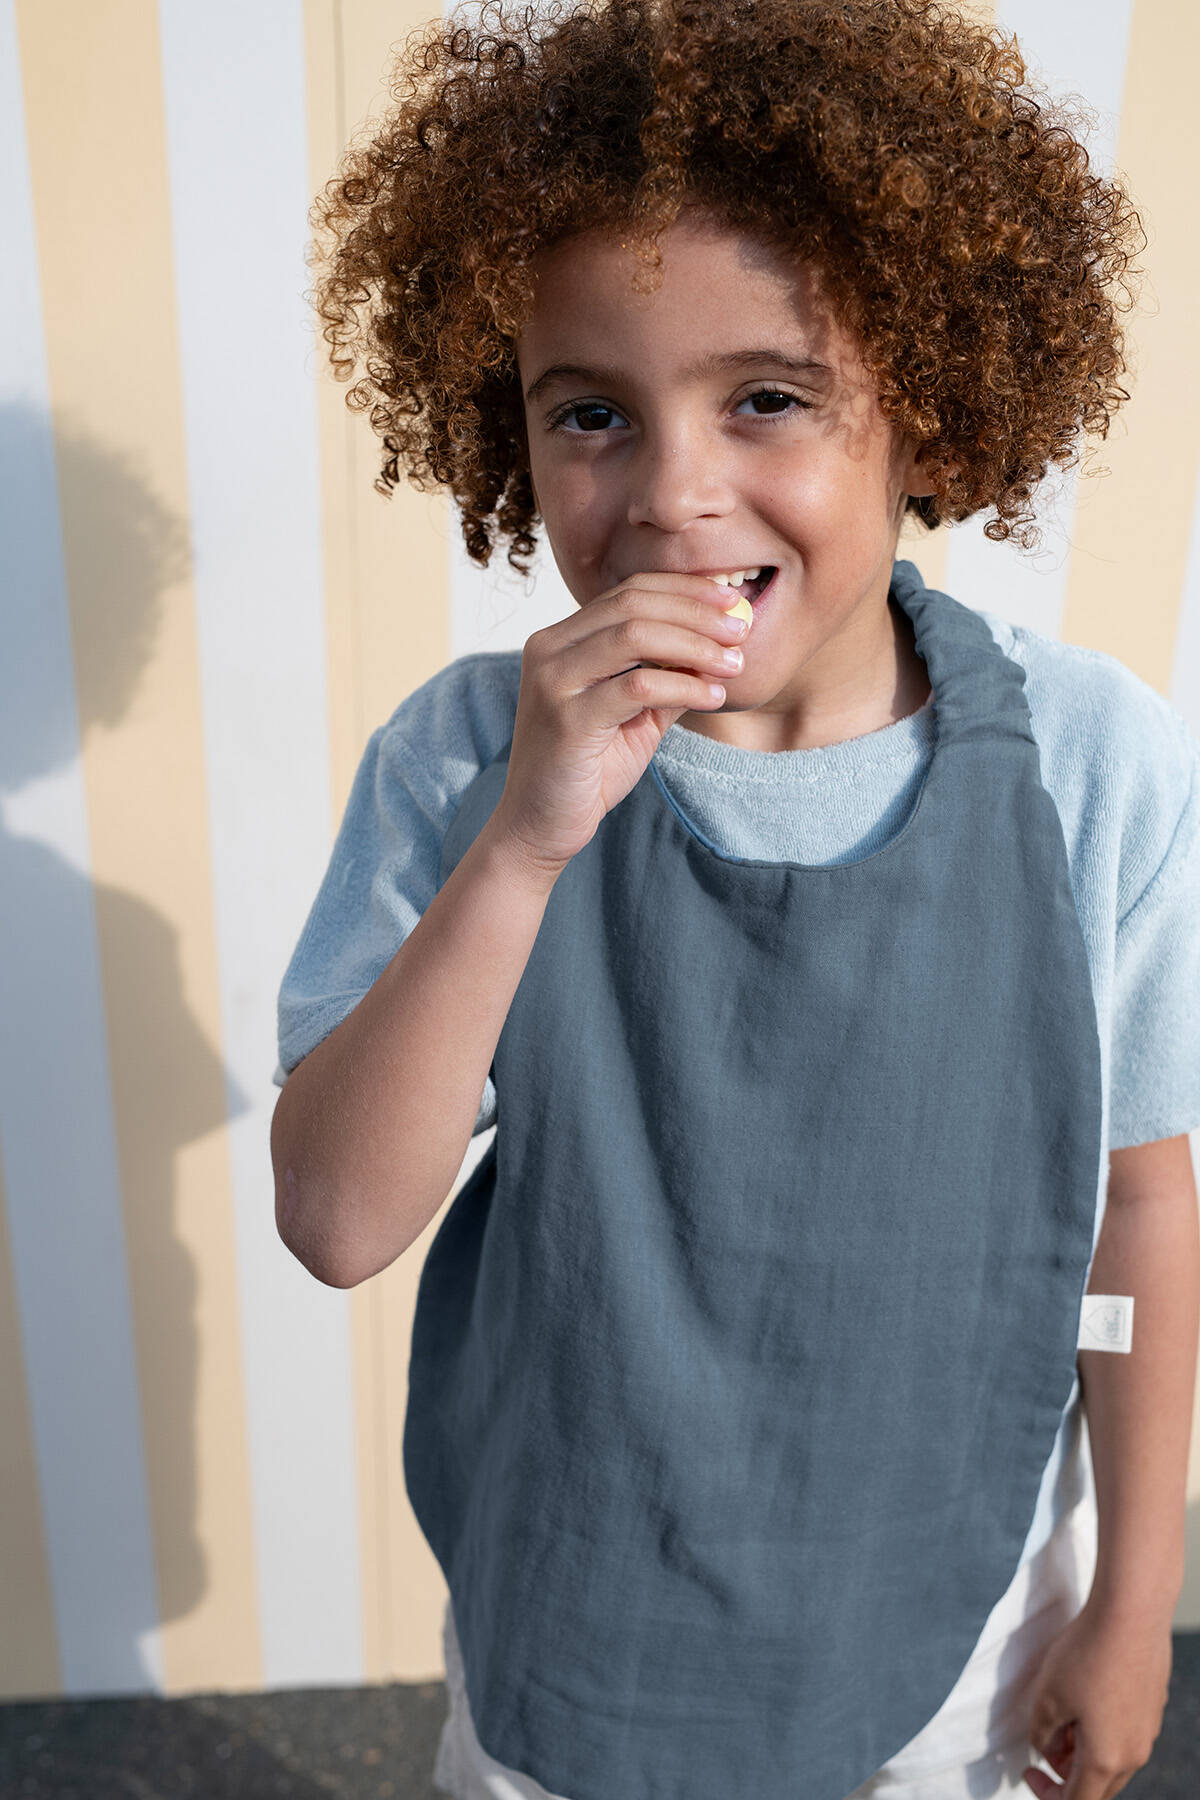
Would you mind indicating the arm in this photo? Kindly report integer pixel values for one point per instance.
(1139, 1406)
(372, 1125)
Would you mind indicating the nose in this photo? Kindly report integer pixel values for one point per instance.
(675, 479)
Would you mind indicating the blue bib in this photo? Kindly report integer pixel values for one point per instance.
(739, 1356)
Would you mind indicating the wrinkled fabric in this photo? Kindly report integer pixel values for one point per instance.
(802, 1357)
(975, 1747)
(1116, 757)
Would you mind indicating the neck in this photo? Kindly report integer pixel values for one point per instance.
(912, 687)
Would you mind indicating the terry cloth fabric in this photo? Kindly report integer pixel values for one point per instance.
(1116, 759)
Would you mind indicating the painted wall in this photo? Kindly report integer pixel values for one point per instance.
(206, 611)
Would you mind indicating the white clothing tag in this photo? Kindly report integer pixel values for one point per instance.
(1106, 1322)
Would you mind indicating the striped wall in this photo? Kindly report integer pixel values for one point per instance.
(206, 611)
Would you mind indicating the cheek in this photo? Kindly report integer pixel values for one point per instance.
(853, 494)
(576, 525)
(813, 498)
(584, 506)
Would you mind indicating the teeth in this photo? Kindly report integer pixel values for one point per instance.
(736, 578)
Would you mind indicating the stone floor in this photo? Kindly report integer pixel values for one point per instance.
(361, 1743)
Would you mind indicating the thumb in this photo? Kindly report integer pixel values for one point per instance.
(1059, 1748)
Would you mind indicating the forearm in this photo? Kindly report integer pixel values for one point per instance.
(373, 1124)
(1139, 1404)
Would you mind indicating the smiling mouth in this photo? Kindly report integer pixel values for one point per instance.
(755, 585)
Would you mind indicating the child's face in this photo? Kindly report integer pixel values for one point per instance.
(642, 460)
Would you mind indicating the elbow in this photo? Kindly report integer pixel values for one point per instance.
(314, 1256)
(312, 1220)
(296, 1216)
(311, 1249)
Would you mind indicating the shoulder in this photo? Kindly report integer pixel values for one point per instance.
(383, 868)
(451, 726)
(1117, 756)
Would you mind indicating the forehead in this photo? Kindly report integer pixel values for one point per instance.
(719, 290)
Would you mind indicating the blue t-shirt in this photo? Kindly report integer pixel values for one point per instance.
(1116, 757)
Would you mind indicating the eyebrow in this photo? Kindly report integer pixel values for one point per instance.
(713, 364)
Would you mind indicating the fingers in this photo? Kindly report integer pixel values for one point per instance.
(649, 627)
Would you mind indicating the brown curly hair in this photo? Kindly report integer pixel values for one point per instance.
(964, 238)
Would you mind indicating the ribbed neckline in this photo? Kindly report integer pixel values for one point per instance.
(893, 743)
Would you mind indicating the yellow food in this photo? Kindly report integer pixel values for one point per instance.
(742, 608)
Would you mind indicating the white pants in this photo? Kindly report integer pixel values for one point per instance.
(973, 1747)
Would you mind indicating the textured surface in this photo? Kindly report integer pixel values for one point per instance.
(615, 1298)
(1116, 757)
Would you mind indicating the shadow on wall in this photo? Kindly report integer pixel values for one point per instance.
(126, 552)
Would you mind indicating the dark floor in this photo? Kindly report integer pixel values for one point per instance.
(361, 1743)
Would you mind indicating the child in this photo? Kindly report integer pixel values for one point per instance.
(744, 1413)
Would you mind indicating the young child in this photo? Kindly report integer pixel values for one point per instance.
(808, 995)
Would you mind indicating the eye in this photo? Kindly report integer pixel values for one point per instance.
(557, 420)
(776, 394)
(590, 409)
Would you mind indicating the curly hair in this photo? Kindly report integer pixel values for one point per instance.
(964, 239)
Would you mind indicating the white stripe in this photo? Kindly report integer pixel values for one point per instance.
(234, 82)
(1184, 692)
(1073, 47)
(495, 608)
(56, 1128)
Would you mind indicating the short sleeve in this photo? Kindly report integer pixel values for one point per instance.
(382, 874)
(1155, 1080)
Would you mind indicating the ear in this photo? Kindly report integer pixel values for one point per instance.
(913, 477)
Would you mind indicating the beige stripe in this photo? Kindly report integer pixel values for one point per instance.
(387, 589)
(403, 590)
(99, 172)
(387, 570)
(29, 1665)
(1140, 516)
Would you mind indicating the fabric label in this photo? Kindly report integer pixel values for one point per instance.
(1106, 1322)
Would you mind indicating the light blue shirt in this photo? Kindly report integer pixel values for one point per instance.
(1116, 757)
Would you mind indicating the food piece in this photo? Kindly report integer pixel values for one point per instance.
(738, 581)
